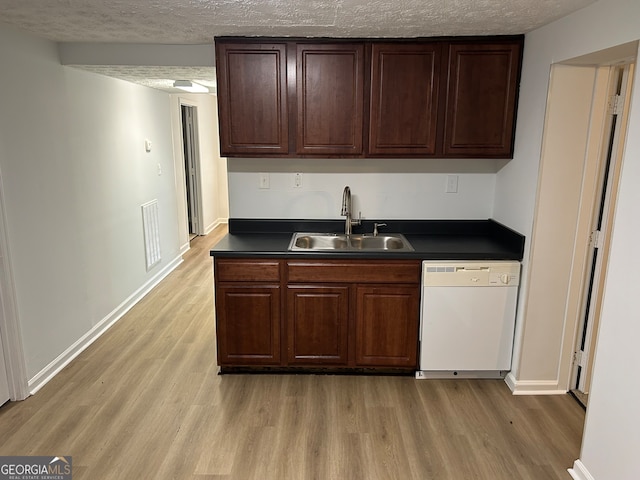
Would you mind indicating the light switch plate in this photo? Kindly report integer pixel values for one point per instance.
(264, 180)
(452, 184)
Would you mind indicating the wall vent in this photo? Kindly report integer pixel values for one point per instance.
(151, 228)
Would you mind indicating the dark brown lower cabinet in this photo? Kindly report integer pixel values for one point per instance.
(387, 326)
(332, 314)
(317, 324)
(248, 324)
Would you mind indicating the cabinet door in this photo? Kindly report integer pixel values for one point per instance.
(404, 99)
(387, 320)
(248, 324)
(317, 324)
(330, 98)
(252, 98)
(481, 100)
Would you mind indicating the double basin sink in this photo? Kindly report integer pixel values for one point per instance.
(340, 242)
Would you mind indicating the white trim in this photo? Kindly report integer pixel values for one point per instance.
(11, 332)
(580, 472)
(533, 387)
(478, 374)
(182, 100)
(215, 224)
(48, 372)
(179, 174)
(198, 164)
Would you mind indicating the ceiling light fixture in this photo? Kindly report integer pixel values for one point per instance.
(189, 86)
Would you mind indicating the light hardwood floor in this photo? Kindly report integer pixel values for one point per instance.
(145, 402)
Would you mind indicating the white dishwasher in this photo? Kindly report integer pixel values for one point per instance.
(467, 318)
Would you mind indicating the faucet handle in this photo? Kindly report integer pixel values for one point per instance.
(375, 228)
(357, 221)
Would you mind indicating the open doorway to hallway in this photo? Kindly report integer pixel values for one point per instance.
(191, 168)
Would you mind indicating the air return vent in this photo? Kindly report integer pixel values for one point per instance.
(151, 229)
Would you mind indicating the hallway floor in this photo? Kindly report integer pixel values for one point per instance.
(145, 402)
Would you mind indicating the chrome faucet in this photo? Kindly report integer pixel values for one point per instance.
(346, 211)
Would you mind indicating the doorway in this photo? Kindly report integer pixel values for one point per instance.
(602, 212)
(570, 165)
(191, 155)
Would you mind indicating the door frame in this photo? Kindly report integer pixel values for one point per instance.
(198, 194)
(589, 200)
(12, 348)
(600, 144)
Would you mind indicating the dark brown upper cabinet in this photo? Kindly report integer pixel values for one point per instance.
(442, 97)
(481, 99)
(330, 96)
(252, 98)
(405, 80)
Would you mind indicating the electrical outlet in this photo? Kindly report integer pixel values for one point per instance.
(264, 180)
(297, 180)
(452, 184)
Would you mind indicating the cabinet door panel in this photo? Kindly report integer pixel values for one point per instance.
(387, 326)
(317, 324)
(480, 113)
(404, 99)
(252, 98)
(248, 324)
(330, 89)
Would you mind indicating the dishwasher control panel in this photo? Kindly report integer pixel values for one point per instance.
(478, 274)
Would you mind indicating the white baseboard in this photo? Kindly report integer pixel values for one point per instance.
(215, 224)
(51, 370)
(533, 387)
(580, 472)
(477, 374)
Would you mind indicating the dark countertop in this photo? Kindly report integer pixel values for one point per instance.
(431, 239)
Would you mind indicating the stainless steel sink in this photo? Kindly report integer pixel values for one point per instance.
(337, 242)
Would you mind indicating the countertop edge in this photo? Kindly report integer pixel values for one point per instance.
(468, 239)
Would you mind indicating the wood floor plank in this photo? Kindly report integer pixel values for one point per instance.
(146, 399)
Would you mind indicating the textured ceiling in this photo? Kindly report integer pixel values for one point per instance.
(161, 78)
(199, 21)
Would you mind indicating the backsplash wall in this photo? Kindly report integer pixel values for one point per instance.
(378, 195)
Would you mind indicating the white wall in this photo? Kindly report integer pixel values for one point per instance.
(517, 182)
(213, 169)
(611, 438)
(381, 189)
(612, 432)
(75, 173)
